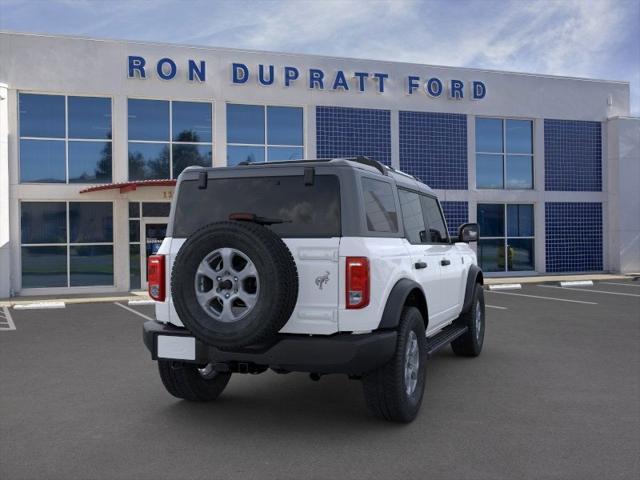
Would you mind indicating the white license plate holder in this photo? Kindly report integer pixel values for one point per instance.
(176, 348)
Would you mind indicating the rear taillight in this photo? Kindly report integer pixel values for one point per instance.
(357, 284)
(155, 277)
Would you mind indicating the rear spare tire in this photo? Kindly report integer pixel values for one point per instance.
(234, 284)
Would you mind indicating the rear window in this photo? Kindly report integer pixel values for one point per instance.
(307, 210)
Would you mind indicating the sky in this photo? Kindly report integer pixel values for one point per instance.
(579, 38)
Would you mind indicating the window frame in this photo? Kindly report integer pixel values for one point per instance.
(265, 146)
(506, 236)
(504, 154)
(66, 139)
(67, 244)
(169, 141)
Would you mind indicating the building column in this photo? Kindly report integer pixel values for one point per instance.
(220, 134)
(623, 196)
(540, 243)
(5, 244)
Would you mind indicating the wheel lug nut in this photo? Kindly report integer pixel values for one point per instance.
(218, 278)
(235, 279)
(226, 295)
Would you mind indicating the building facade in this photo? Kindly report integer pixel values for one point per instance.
(93, 134)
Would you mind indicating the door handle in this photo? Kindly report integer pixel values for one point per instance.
(445, 262)
(419, 265)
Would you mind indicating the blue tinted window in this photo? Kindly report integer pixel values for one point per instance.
(43, 222)
(520, 254)
(156, 209)
(489, 135)
(41, 115)
(284, 126)
(89, 162)
(491, 220)
(519, 171)
(134, 210)
(134, 266)
(489, 171)
(134, 230)
(89, 117)
(519, 136)
(44, 267)
(245, 124)
(237, 154)
(91, 265)
(90, 222)
(42, 161)
(285, 153)
(491, 255)
(191, 122)
(185, 155)
(148, 160)
(520, 220)
(148, 120)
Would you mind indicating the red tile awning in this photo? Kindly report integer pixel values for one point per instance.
(125, 187)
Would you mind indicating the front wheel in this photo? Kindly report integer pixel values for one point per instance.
(191, 382)
(470, 344)
(395, 390)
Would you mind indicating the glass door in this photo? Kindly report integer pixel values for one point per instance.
(506, 237)
(153, 232)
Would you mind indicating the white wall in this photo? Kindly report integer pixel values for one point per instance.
(5, 245)
(623, 158)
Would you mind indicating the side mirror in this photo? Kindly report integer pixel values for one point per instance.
(469, 232)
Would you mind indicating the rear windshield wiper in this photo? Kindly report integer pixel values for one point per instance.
(252, 217)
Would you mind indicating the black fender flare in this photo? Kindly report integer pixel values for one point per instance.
(397, 299)
(474, 276)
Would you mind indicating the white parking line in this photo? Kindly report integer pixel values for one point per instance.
(506, 286)
(141, 302)
(133, 311)
(591, 290)
(7, 324)
(544, 298)
(622, 284)
(496, 307)
(38, 305)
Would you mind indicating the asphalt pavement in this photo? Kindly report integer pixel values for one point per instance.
(555, 394)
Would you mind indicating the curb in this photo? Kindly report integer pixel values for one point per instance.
(73, 301)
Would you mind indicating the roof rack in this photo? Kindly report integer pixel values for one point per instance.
(370, 162)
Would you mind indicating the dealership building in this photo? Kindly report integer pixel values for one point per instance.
(93, 134)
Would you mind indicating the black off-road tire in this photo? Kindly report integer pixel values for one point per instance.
(470, 344)
(183, 380)
(277, 295)
(385, 389)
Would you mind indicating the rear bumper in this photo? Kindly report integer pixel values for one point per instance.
(339, 353)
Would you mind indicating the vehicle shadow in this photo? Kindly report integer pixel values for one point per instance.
(291, 403)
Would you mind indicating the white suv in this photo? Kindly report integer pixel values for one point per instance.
(321, 266)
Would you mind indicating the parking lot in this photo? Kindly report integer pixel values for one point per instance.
(555, 394)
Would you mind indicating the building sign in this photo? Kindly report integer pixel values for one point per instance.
(313, 78)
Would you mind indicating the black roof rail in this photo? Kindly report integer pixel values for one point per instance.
(370, 162)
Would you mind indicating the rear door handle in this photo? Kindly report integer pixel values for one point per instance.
(445, 262)
(419, 265)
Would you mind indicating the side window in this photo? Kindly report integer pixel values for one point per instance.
(412, 218)
(437, 230)
(380, 207)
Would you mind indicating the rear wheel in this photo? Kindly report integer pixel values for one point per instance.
(395, 390)
(191, 382)
(470, 344)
